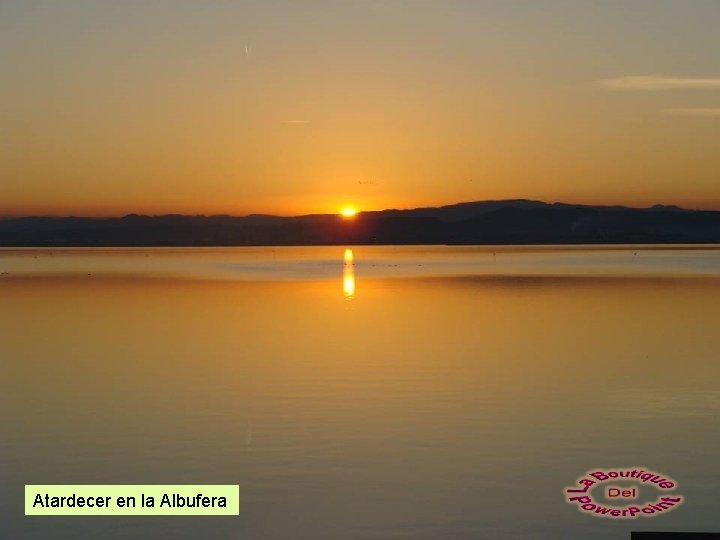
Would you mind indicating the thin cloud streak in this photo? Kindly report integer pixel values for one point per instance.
(660, 82)
(706, 112)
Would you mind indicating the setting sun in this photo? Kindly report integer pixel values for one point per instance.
(348, 212)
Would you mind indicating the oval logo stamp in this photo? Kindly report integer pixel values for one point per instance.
(623, 486)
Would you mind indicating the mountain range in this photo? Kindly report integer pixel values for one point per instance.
(517, 221)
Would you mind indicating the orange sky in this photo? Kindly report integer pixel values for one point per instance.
(301, 107)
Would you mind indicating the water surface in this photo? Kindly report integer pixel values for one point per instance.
(413, 392)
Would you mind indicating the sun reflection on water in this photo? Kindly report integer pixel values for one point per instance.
(348, 279)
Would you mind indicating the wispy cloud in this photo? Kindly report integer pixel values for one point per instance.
(695, 112)
(660, 82)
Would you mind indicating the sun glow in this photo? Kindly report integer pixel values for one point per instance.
(348, 212)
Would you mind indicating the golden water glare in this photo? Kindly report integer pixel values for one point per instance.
(348, 274)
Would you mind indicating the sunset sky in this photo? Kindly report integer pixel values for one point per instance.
(238, 107)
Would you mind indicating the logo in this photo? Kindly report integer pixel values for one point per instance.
(622, 485)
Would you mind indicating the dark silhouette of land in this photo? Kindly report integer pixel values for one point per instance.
(484, 222)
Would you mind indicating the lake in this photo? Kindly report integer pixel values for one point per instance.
(360, 392)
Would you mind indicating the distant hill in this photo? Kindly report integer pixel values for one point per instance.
(483, 222)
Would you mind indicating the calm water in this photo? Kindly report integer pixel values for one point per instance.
(421, 392)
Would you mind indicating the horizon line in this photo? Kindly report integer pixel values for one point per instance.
(359, 212)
